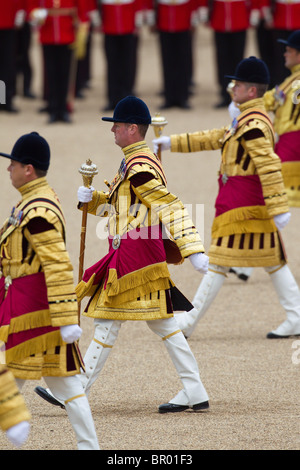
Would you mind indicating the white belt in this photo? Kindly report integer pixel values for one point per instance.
(287, 2)
(172, 2)
(230, 1)
(116, 2)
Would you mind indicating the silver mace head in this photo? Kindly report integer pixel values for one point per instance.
(88, 170)
(158, 122)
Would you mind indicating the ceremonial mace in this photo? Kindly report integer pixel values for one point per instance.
(158, 122)
(88, 170)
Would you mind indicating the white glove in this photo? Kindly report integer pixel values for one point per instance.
(95, 18)
(164, 142)
(254, 18)
(18, 433)
(20, 18)
(203, 14)
(70, 333)
(233, 110)
(281, 220)
(38, 16)
(85, 194)
(200, 262)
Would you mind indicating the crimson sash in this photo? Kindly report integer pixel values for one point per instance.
(238, 191)
(138, 249)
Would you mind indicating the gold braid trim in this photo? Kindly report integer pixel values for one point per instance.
(252, 219)
(31, 320)
(34, 346)
(136, 284)
(13, 409)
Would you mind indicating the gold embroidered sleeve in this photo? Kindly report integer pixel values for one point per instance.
(198, 141)
(13, 409)
(173, 215)
(259, 146)
(54, 260)
(97, 206)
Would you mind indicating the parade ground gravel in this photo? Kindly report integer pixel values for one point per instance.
(252, 382)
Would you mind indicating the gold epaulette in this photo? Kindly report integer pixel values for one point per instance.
(250, 115)
(23, 211)
(148, 158)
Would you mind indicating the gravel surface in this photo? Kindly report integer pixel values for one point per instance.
(253, 383)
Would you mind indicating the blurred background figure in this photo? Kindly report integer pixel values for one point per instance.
(282, 17)
(12, 17)
(24, 70)
(174, 23)
(63, 29)
(229, 20)
(120, 23)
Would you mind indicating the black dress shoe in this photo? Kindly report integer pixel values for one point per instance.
(9, 108)
(184, 105)
(28, 94)
(42, 392)
(173, 408)
(275, 336)
(243, 277)
(65, 117)
(201, 406)
(52, 118)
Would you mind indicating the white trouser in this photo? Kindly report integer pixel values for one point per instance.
(207, 291)
(289, 296)
(283, 282)
(106, 332)
(69, 390)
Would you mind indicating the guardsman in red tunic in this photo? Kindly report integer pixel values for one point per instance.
(24, 69)
(174, 21)
(120, 22)
(230, 20)
(62, 23)
(282, 17)
(9, 21)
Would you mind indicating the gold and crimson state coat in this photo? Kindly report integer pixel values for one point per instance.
(39, 296)
(284, 101)
(133, 209)
(244, 234)
(13, 409)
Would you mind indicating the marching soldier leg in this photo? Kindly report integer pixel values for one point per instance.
(193, 394)
(106, 332)
(70, 391)
(289, 297)
(207, 291)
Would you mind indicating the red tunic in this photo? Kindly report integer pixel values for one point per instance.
(8, 13)
(119, 17)
(287, 14)
(60, 28)
(230, 16)
(174, 17)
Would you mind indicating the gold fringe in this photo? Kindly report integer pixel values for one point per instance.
(34, 346)
(4, 333)
(252, 219)
(136, 279)
(84, 289)
(138, 291)
(31, 320)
